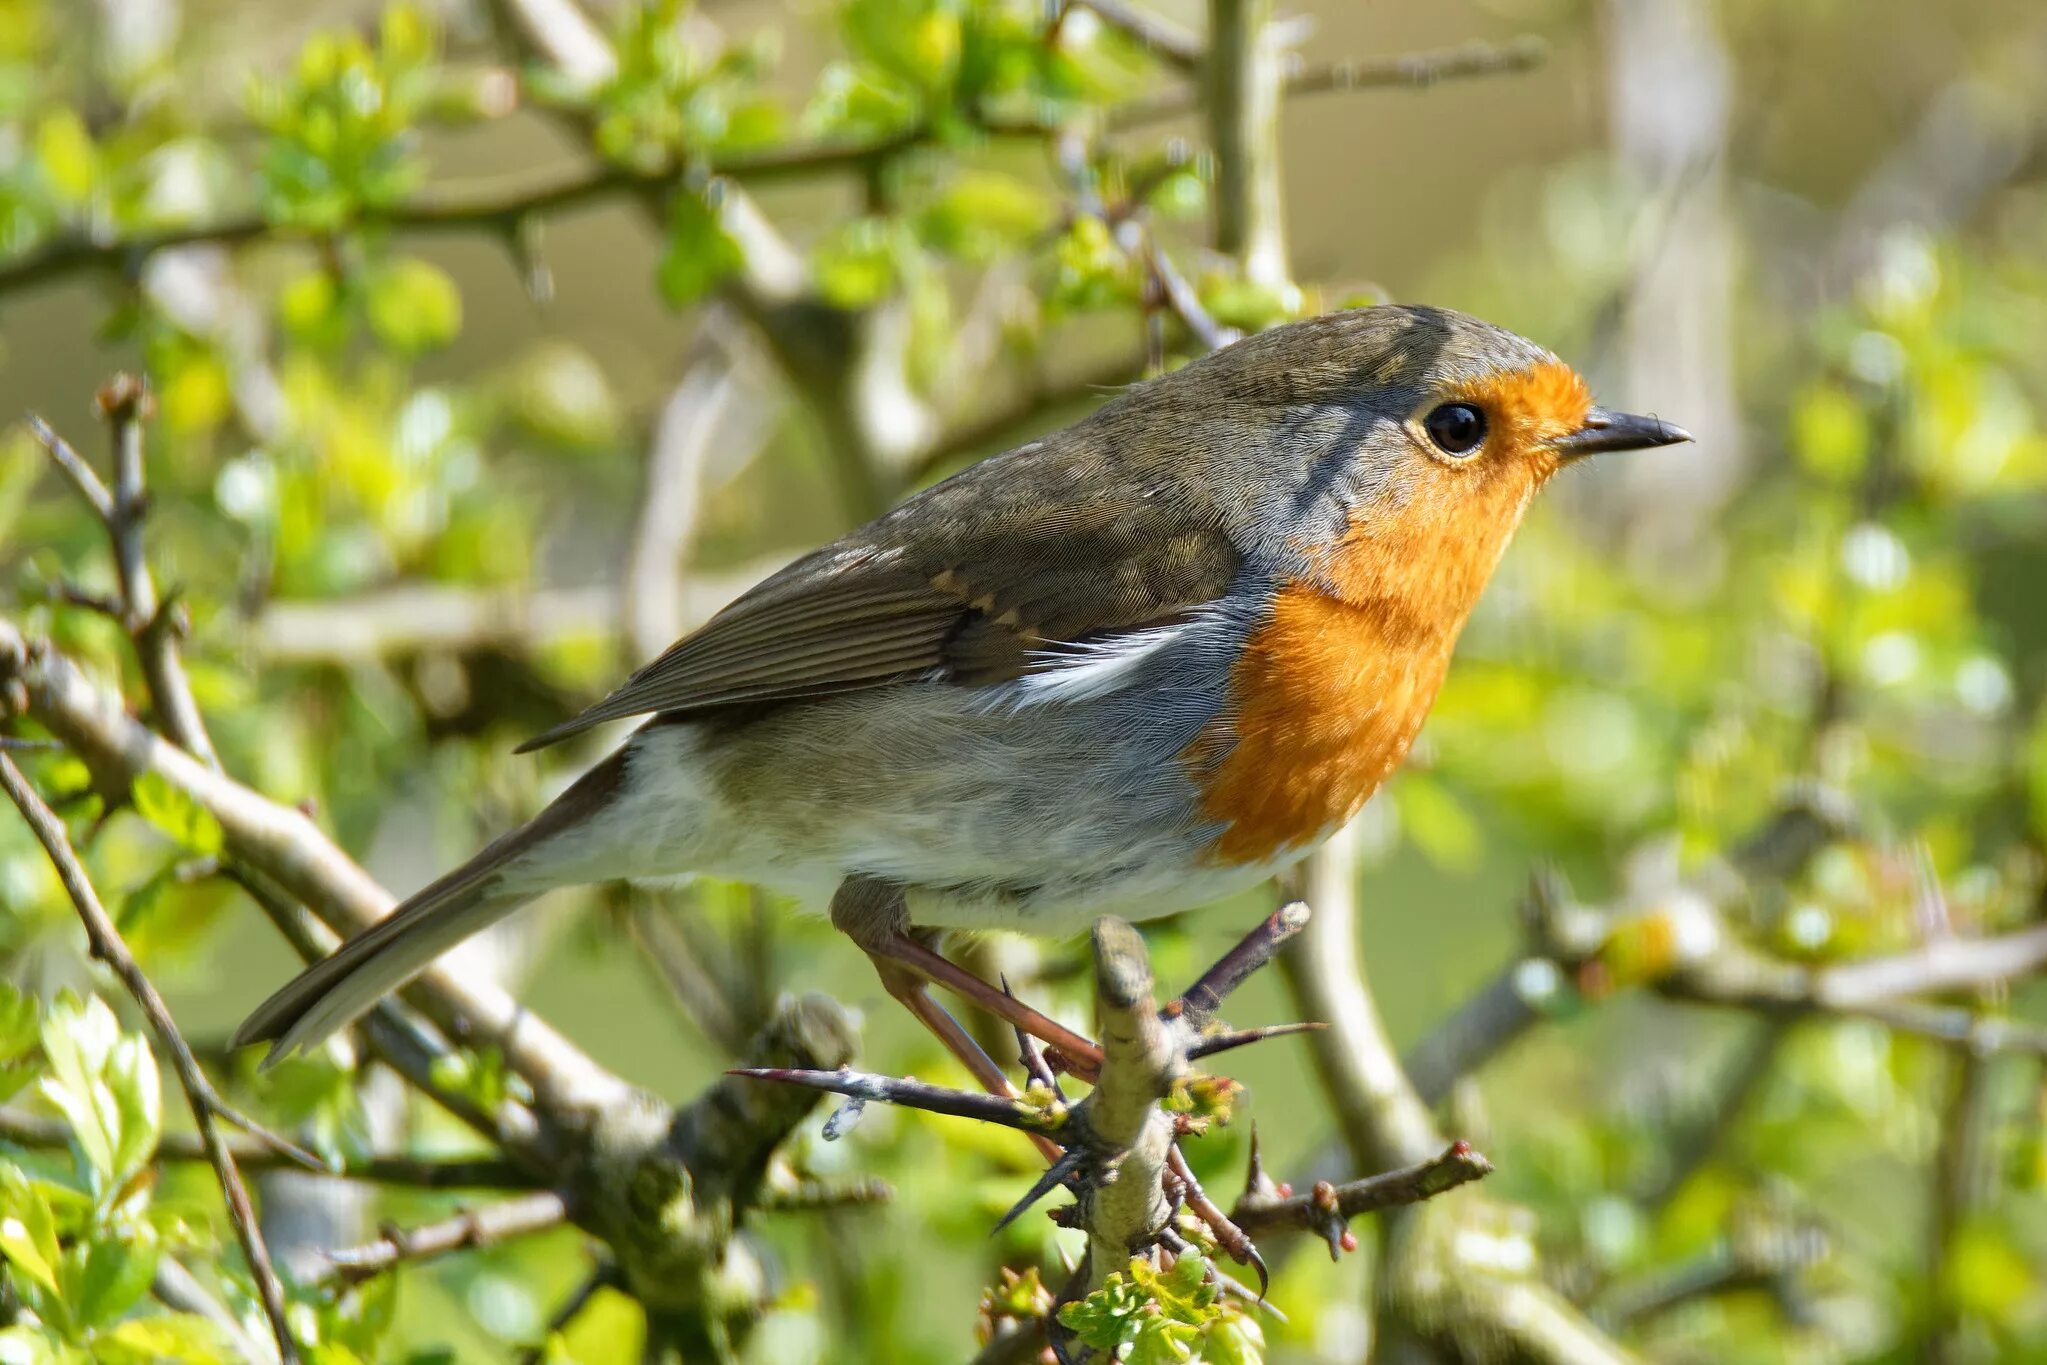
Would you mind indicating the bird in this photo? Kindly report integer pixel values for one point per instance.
(1128, 668)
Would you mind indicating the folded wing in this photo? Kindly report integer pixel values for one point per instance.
(963, 585)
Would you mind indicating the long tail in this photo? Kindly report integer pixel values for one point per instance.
(336, 990)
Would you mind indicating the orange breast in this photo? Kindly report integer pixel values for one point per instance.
(1331, 691)
(1329, 696)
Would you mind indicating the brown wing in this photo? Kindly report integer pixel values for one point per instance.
(1050, 543)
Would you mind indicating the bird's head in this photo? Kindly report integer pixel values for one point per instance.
(1399, 440)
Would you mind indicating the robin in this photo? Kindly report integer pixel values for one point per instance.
(1130, 668)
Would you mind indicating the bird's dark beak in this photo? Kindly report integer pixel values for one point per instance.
(1605, 430)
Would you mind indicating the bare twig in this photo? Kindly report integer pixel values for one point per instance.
(564, 35)
(486, 1226)
(153, 625)
(705, 416)
(1941, 964)
(1140, 1062)
(498, 208)
(1689, 1147)
(420, 617)
(1214, 1043)
(1198, 1004)
(1325, 1209)
(812, 1196)
(1179, 295)
(1755, 1254)
(1243, 74)
(207, 1110)
(74, 467)
(1415, 70)
(1405, 71)
(1561, 935)
(1383, 1122)
(695, 990)
(1963, 1177)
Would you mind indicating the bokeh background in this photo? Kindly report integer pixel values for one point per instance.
(401, 475)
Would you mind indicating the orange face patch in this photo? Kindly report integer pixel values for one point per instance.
(1331, 692)
(1527, 408)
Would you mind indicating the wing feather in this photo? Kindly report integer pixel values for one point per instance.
(965, 583)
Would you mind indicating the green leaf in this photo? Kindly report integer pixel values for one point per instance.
(65, 152)
(700, 256)
(114, 1275)
(178, 814)
(20, 1036)
(28, 1230)
(311, 308)
(1154, 1318)
(33, 1346)
(1247, 306)
(138, 1096)
(480, 1077)
(1238, 1340)
(981, 213)
(1986, 1275)
(413, 306)
(180, 1337)
(859, 264)
(78, 1039)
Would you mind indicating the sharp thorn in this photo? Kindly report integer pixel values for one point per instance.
(1054, 1176)
(1224, 1042)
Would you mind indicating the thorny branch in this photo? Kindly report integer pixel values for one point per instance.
(1122, 1161)
(1327, 1208)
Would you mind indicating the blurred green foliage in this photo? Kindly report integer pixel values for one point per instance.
(1863, 610)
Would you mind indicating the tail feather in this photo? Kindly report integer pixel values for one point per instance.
(335, 991)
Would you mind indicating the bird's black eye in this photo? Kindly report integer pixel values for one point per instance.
(1456, 427)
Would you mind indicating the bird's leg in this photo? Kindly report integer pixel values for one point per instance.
(872, 913)
(910, 990)
(860, 909)
(1082, 1058)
